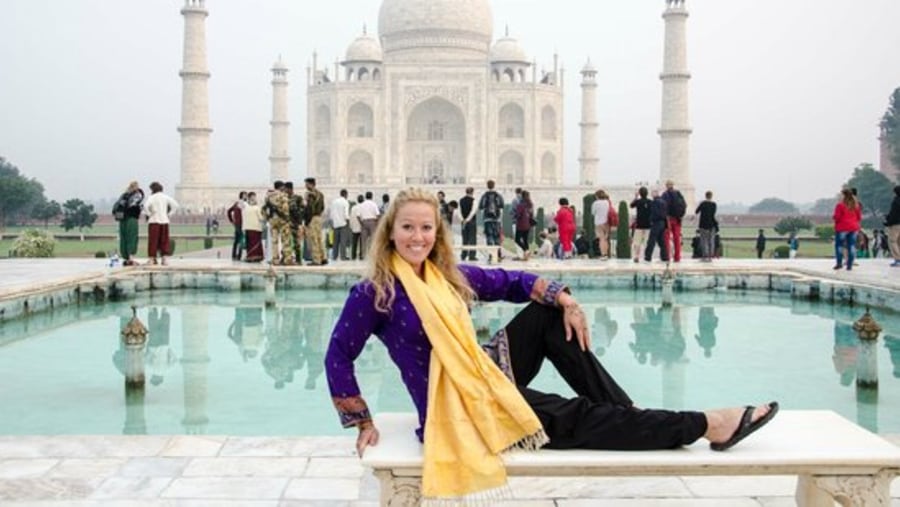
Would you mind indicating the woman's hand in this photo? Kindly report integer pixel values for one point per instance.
(368, 435)
(574, 321)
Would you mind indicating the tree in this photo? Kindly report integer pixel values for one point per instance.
(824, 206)
(788, 225)
(77, 213)
(773, 205)
(19, 194)
(873, 189)
(890, 126)
(46, 211)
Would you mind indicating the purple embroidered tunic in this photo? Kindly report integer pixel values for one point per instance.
(402, 333)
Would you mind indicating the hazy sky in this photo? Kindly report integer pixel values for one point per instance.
(785, 97)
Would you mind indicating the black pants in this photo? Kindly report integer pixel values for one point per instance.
(601, 416)
(657, 237)
(469, 237)
(522, 239)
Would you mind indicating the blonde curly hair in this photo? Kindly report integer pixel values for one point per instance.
(382, 250)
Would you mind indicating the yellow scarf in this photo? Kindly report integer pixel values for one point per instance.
(474, 412)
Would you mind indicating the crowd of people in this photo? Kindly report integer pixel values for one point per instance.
(287, 227)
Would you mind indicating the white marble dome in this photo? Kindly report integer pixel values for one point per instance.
(508, 50)
(364, 49)
(408, 24)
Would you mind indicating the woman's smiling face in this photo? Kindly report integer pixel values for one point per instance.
(414, 232)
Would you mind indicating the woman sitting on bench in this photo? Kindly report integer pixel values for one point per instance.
(474, 403)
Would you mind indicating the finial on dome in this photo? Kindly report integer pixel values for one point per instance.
(364, 29)
(507, 30)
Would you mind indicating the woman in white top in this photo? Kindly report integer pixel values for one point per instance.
(253, 226)
(157, 208)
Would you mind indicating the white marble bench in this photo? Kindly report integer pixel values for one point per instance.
(833, 458)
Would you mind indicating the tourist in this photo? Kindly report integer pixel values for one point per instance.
(469, 227)
(339, 212)
(297, 212)
(157, 208)
(454, 218)
(368, 218)
(545, 250)
(658, 222)
(847, 216)
(385, 202)
(760, 244)
(862, 245)
(277, 209)
(708, 226)
(315, 208)
(415, 300)
(641, 229)
(491, 206)
(892, 223)
(127, 211)
(234, 215)
(445, 208)
(253, 227)
(793, 245)
(676, 207)
(523, 214)
(565, 223)
(600, 210)
(356, 230)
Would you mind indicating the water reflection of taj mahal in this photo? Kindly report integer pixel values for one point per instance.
(433, 99)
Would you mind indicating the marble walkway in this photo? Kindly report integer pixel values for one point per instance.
(192, 470)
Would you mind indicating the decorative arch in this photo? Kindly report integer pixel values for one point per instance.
(511, 122)
(548, 123)
(351, 73)
(360, 120)
(496, 75)
(376, 75)
(509, 76)
(323, 167)
(512, 168)
(360, 167)
(363, 74)
(436, 143)
(323, 122)
(548, 168)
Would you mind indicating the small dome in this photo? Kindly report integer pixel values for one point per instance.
(506, 50)
(364, 49)
(279, 65)
(589, 68)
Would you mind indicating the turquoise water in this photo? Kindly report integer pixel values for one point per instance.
(220, 363)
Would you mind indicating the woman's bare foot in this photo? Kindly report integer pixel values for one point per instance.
(722, 425)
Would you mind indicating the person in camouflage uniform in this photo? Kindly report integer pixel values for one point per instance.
(298, 219)
(315, 207)
(278, 212)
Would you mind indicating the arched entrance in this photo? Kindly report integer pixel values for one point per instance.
(435, 143)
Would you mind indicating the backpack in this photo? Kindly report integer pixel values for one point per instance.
(491, 205)
(678, 206)
(119, 208)
(612, 216)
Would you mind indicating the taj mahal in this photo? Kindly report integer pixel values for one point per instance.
(434, 99)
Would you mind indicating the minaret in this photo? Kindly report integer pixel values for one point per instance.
(675, 131)
(279, 158)
(589, 162)
(192, 190)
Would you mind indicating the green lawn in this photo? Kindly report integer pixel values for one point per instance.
(68, 244)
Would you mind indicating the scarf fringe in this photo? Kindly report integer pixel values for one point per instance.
(484, 498)
(529, 443)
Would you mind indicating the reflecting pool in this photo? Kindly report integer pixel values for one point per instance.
(222, 363)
